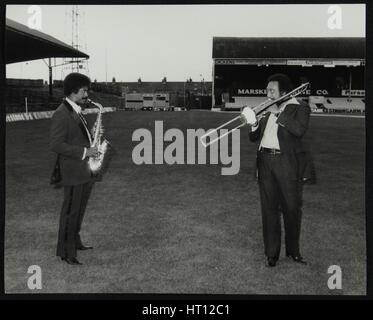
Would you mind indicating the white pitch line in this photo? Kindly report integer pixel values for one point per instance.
(337, 115)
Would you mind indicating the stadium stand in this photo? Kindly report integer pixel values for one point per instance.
(38, 98)
(335, 104)
(333, 66)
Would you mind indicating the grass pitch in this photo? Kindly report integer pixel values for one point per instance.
(184, 228)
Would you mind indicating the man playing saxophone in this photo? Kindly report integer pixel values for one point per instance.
(280, 169)
(70, 138)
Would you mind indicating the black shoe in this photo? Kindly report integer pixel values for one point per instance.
(298, 259)
(271, 262)
(71, 260)
(83, 247)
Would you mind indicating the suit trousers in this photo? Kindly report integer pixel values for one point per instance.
(71, 218)
(280, 191)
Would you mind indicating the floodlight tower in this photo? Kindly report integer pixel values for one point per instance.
(76, 64)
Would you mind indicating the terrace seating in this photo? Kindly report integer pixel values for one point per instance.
(38, 99)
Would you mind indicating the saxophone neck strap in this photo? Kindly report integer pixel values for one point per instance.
(80, 120)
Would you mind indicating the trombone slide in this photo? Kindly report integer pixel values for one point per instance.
(206, 144)
(257, 109)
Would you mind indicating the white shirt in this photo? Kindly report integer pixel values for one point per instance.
(78, 110)
(76, 107)
(270, 138)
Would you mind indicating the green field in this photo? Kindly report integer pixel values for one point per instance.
(184, 228)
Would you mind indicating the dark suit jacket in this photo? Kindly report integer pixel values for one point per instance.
(293, 124)
(68, 138)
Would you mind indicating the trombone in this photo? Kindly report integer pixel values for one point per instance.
(257, 109)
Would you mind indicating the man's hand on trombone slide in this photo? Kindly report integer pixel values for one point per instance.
(249, 116)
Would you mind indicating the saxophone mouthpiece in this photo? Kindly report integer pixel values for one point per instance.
(97, 105)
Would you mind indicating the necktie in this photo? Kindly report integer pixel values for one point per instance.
(82, 118)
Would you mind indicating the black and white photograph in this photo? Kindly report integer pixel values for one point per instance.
(185, 149)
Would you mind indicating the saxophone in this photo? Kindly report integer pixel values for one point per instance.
(96, 164)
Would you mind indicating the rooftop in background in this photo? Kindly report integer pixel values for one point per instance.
(288, 48)
(169, 86)
(176, 87)
(24, 44)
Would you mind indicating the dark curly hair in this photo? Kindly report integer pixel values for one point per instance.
(284, 83)
(74, 81)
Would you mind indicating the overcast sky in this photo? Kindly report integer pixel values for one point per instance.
(128, 42)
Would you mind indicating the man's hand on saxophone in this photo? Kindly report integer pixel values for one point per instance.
(92, 152)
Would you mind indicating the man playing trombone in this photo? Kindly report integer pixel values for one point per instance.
(279, 135)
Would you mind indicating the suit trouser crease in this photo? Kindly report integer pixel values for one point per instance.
(72, 213)
(279, 192)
